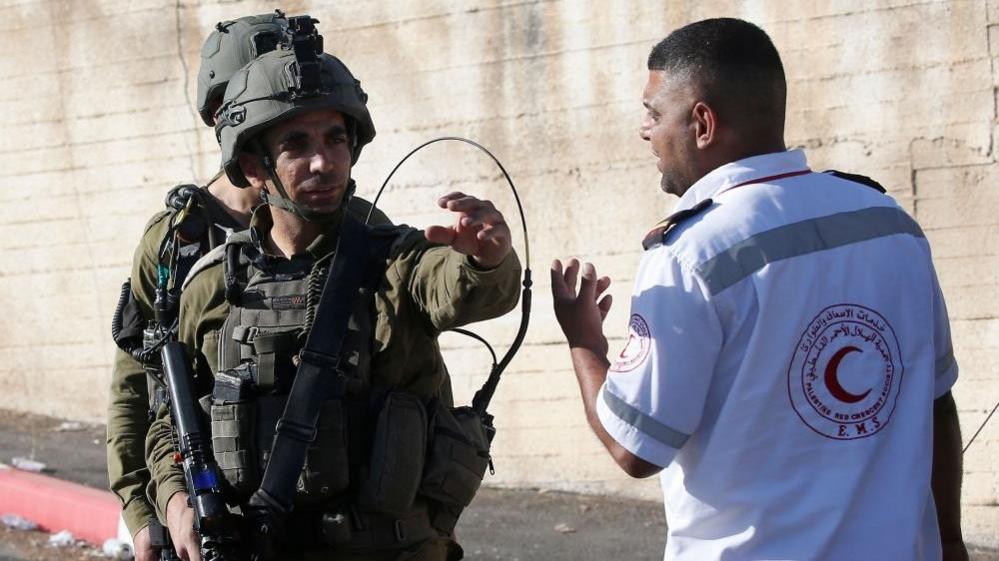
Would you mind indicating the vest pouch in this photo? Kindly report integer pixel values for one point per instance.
(459, 455)
(327, 468)
(326, 471)
(234, 445)
(398, 452)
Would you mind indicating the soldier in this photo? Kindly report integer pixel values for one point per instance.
(293, 124)
(196, 220)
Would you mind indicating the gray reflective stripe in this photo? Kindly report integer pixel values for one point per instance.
(800, 238)
(644, 423)
(945, 361)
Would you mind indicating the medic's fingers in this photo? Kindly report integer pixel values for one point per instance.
(571, 271)
(587, 285)
(605, 305)
(602, 284)
(559, 290)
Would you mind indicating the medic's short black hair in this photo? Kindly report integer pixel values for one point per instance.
(734, 63)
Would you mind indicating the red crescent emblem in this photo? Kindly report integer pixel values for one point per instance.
(832, 379)
(815, 379)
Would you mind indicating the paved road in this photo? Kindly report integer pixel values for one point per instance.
(75, 455)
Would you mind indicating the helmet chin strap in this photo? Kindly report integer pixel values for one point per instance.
(283, 201)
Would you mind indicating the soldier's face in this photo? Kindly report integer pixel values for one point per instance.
(311, 154)
(667, 126)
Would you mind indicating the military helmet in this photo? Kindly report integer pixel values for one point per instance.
(228, 48)
(277, 86)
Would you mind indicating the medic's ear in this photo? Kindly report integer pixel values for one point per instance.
(705, 120)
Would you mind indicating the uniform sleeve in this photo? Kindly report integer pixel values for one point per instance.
(945, 367)
(657, 386)
(128, 403)
(127, 425)
(449, 289)
(167, 475)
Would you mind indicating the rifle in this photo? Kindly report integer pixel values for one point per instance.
(202, 477)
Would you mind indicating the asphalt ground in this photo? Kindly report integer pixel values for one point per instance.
(501, 524)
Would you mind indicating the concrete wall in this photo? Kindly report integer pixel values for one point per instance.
(97, 122)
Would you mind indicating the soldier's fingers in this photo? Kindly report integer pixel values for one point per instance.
(480, 216)
(442, 202)
(468, 203)
(495, 232)
(440, 234)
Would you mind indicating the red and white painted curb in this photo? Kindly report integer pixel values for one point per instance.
(56, 505)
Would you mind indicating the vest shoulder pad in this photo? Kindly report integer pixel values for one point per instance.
(857, 178)
(208, 260)
(657, 235)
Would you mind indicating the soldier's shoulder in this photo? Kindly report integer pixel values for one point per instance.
(207, 272)
(157, 224)
(396, 237)
(156, 229)
(360, 207)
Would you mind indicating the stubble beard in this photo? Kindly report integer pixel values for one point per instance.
(673, 184)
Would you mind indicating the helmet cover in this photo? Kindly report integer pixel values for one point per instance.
(229, 47)
(273, 88)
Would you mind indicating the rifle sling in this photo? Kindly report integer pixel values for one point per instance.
(318, 376)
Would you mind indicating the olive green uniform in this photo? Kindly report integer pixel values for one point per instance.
(427, 289)
(128, 408)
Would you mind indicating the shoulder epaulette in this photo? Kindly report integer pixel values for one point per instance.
(857, 178)
(657, 235)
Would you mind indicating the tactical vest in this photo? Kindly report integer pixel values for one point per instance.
(270, 307)
(386, 469)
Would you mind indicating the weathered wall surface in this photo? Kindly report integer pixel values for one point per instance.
(97, 122)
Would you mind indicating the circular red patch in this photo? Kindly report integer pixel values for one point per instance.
(636, 350)
(846, 372)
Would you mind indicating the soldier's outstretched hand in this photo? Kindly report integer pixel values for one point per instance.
(479, 230)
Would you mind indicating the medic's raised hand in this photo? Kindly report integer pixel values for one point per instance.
(581, 314)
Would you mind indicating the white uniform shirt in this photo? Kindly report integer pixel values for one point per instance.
(786, 345)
